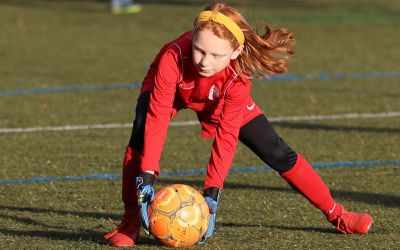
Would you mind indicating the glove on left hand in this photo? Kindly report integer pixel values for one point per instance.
(211, 196)
(144, 185)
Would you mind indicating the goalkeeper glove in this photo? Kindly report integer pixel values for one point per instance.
(211, 196)
(144, 185)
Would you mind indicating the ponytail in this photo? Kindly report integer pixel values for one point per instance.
(266, 54)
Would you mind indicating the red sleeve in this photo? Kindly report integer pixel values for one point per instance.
(160, 108)
(226, 138)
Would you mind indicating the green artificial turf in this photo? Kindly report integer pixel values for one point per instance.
(54, 43)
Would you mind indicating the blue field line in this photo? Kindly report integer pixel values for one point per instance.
(137, 84)
(326, 76)
(74, 88)
(110, 176)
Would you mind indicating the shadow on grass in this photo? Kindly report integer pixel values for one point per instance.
(27, 221)
(95, 215)
(82, 236)
(300, 125)
(364, 197)
(55, 232)
(280, 227)
(88, 236)
(96, 237)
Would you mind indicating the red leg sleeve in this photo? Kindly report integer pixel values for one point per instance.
(131, 169)
(303, 178)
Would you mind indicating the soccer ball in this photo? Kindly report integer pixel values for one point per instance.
(178, 215)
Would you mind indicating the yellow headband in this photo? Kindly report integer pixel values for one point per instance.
(220, 18)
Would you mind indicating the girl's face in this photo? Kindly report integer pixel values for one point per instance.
(211, 54)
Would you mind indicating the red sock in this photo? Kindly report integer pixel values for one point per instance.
(303, 178)
(131, 169)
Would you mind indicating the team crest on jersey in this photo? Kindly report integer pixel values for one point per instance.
(214, 93)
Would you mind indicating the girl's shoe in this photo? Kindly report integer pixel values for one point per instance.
(126, 234)
(350, 223)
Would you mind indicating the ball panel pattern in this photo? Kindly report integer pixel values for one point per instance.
(178, 215)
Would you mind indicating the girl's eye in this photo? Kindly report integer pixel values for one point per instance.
(200, 51)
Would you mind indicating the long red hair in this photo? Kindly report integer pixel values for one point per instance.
(262, 54)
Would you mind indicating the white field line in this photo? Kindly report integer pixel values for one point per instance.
(195, 122)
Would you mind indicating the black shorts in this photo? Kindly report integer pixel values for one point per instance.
(258, 135)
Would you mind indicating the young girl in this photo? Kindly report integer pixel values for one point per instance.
(208, 70)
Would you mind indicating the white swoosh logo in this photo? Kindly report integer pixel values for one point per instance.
(251, 107)
(331, 211)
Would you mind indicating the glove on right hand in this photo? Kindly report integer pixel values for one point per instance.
(144, 185)
(211, 196)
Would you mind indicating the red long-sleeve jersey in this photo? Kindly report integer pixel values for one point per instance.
(222, 103)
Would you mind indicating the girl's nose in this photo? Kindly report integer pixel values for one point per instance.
(205, 60)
